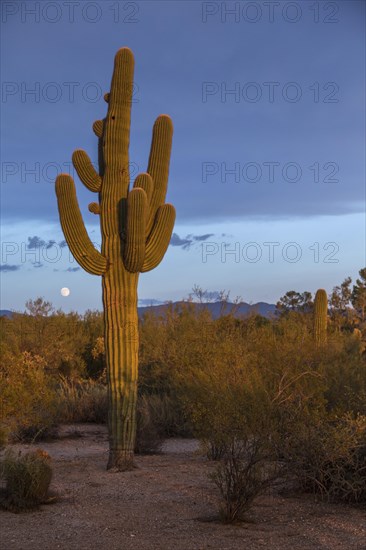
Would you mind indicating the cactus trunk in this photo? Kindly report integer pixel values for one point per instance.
(121, 346)
(136, 226)
(320, 317)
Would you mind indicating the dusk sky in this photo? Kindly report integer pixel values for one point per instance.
(267, 170)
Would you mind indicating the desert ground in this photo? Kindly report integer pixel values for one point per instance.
(166, 503)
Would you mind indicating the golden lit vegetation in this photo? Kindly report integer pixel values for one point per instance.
(261, 396)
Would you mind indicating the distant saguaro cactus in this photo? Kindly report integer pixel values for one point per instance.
(320, 316)
(136, 227)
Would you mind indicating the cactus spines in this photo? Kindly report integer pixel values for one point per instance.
(320, 317)
(136, 227)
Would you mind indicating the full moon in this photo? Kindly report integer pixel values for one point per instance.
(65, 291)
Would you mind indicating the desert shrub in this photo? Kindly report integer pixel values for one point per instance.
(168, 346)
(27, 479)
(344, 368)
(28, 397)
(169, 415)
(242, 382)
(158, 416)
(3, 437)
(231, 409)
(82, 401)
(239, 427)
(247, 468)
(87, 401)
(94, 356)
(44, 431)
(149, 437)
(328, 457)
(213, 447)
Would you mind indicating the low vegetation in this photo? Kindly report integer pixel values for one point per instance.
(27, 480)
(265, 397)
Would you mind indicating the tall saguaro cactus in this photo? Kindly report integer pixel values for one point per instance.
(320, 317)
(136, 226)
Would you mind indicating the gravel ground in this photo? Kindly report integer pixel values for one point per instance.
(166, 503)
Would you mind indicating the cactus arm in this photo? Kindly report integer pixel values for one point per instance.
(98, 126)
(159, 238)
(117, 126)
(134, 249)
(74, 230)
(158, 166)
(145, 182)
(94, 208)
(86, 171)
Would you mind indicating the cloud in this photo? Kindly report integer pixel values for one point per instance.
(224, 160)
(177, 241)
(62, 244)
(72, 269)
(37, 264)
(189, 240)
(203, 237)
(6, 268)
(35, 242)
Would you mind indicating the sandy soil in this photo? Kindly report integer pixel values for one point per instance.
(167, 503)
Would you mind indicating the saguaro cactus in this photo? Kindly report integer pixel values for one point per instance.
(320, 317)
(136, 226)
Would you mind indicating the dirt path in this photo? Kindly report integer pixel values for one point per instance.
(167, 503)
